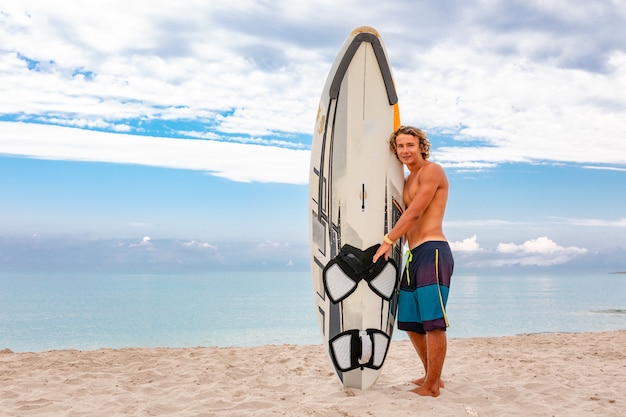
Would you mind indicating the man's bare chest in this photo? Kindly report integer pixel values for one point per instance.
(410, 189)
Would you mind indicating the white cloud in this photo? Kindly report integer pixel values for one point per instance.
(592, 222)
(605, 168)
(236, 162)
(199, 245)
(520, 82)
(521, 110)
(145, 242)
(168, 62)
(466, 245)
(541, 252)
(268, 244)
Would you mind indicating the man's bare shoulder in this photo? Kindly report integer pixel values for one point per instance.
(433, 169)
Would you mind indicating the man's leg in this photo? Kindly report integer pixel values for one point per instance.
(436, 345)
(419, 343)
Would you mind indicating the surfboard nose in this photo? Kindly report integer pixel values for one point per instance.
(365, 29)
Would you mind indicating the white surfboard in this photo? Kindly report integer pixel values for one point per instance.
(355, 198)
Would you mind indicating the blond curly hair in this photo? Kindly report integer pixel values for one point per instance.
(424, 143)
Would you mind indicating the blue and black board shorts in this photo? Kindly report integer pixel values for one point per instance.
(424, 288)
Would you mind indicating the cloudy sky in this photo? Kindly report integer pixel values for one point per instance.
(181, 131)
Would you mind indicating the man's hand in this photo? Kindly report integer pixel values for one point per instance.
(383, 250)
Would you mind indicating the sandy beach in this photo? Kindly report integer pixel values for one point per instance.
(579, 374)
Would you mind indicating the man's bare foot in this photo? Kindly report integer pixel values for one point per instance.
(426, 392)
(420, 382)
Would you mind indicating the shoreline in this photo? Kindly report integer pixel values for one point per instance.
(8, 350)
(574, 374)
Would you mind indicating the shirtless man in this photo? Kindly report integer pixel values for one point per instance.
(426, 280)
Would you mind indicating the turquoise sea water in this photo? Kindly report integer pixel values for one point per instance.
(59, 311)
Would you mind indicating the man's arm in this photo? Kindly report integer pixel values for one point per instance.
(428, 183)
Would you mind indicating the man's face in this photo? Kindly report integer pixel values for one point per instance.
(407, 148)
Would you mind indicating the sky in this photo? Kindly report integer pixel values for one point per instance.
(177, 137)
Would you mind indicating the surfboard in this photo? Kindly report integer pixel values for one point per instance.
(355, 198)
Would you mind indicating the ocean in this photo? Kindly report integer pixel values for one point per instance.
(41, 312)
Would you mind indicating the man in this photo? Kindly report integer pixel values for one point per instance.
(425, 282)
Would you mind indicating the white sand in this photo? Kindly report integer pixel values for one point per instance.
(582, 374)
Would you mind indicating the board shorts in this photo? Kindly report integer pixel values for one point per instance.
(424, 288)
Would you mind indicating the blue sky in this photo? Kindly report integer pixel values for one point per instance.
(177, 137)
